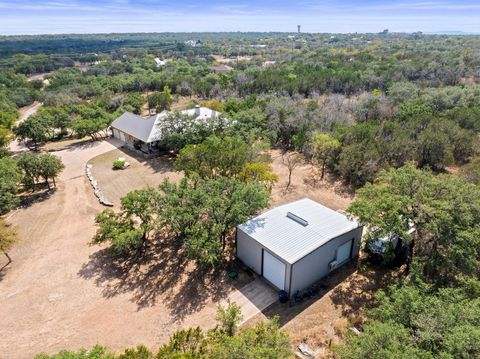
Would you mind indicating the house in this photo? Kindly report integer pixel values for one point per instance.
(294, 245)
(159, 62)
(222, 69)
(145, 133)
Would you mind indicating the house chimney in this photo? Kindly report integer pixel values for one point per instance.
(197, 110)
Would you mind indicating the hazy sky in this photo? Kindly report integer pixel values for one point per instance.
(99, 16)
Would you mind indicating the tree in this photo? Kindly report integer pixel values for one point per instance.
(36, 166)
(34, 129)
(260, 172)
(134, 101)
(292, 160)
(10, 176)
(188, 343)
(130, 228)
(161, 101)
(214, 157)
(472, 171)
(229, 317)
(445, 211)
(380, 341)
(264, 341)
(324, 147)
(7, 238)
(213, 104)
(50, 167)
(203, 212)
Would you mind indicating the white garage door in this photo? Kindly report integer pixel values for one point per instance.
(344, 251)
(274, 270)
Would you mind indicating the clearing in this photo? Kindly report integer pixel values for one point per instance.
(60, 292)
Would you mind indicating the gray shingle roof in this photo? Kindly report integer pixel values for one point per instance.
(134, 125)
(148, 130)
(291, 239)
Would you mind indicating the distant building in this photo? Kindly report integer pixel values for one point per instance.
(222, 69)
(268, 63)
(145, 133)
(159, 62)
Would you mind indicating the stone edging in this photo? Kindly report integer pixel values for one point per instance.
(96, 189)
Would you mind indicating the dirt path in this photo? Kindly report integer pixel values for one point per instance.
(25, 112)
(60, 292)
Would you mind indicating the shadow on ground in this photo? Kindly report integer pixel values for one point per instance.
(351, 289)
(42, 193)
(162, 272)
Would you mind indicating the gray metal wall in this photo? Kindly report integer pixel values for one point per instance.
(315, 265)
(249, 251)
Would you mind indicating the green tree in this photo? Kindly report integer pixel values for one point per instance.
(214, 157)
(324, 147)
(50, 167)
(130, 228)
(10, 176)
(134, 102)
(382, 341)
(203, 212)
(188, 343)
(444, 209)
(161, 101)
(34, 129)
(229, 317)
(7, 239)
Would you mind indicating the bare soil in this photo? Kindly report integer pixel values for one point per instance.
(141, 173)
(306, 183)
(322, 320)
(61, 292)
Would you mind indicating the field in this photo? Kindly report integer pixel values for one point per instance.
(62, 292)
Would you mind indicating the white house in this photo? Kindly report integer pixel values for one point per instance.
(144, 133)
(294, 245)
(159, 62)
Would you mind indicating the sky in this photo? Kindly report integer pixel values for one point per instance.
(335, 16)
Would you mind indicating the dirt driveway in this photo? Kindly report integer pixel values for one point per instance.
(59, 292)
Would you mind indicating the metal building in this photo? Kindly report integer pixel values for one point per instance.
(294, 245)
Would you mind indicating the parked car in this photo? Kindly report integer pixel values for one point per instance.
(389, 248)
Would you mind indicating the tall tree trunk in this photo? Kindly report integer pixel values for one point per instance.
(54, 183)
(48, 184)
(323, 168)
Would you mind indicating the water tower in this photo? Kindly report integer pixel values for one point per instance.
(299, 26)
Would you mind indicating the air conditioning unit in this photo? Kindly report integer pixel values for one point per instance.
(333, 264)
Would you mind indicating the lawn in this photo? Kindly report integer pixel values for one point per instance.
(141, 173)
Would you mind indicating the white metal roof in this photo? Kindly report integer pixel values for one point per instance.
(288, 237)
(148, 129)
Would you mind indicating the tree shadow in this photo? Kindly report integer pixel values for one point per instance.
(351, 288)
(288, 311)
(162, 272)
(358, 292)
(159, 162)
(42, 193)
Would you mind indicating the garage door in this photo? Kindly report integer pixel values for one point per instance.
(274, 270)
(344, 251)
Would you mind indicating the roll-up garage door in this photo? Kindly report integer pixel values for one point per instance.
(274, 270)
(344, 251)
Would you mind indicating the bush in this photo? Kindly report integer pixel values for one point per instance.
(118, 164)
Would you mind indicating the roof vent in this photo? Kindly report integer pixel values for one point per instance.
(297, 219)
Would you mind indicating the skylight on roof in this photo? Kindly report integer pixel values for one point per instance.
(297, 219)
